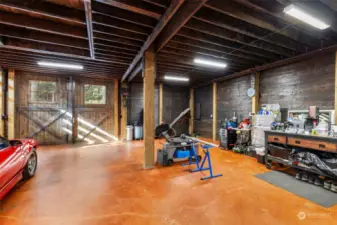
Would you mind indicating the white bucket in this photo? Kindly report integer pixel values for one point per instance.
(129, 133)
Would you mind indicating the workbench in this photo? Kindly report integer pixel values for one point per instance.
(292, 140)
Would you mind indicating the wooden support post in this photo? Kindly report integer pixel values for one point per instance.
(256, 97)
(124, 112)
(214, 111)
(160, 103)
(2, 101)
(149, 75)
(336, 88)
(72, 109)
(11, 104)
(115, 108)
(191, 122)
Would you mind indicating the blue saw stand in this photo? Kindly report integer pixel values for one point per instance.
(201, 167)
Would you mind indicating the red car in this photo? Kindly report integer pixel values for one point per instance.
(18, 160)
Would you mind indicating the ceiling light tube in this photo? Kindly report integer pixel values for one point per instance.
(60, 65)
(210, 63)
(298, 13)
(185, 79)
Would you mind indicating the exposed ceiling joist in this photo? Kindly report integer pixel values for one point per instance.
(188, 9)
(232, 9)
(170, 12)
(44, 9)
(42, 25)
(88, 18)
(136, 8)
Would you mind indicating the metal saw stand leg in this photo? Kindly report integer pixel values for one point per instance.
(201, 168)
(190, 159)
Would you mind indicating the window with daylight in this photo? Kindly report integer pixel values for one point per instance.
(94, 94)
(42, 91)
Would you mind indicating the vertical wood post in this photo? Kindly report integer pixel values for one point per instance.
(115, 108)
(256, 97)
(149, 75)
(124, 114)
(160, 103)
(336, 88)
(214, 111)
(11, 104)
(2, 102)
(191, 105)
(72, 109)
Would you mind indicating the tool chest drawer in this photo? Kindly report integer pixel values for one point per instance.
(312, 144)
(277, 139)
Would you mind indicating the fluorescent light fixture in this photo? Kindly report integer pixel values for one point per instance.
(185, 79)
(60, 65)
(210, 63)
(298, 13)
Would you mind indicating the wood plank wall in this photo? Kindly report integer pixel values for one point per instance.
(204, 96)
(299, 85)
(175, 100)
(135, 102)
(294, 86)
(232, 97)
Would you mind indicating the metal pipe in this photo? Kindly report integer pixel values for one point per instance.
(204, 142)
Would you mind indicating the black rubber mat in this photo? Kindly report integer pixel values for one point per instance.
(313, 193)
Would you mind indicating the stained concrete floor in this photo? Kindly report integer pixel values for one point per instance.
(105, 184)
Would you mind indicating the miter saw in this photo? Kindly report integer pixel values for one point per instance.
(175, 148)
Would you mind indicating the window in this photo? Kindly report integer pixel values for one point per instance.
(94, 94)
(4, 143)
(42, 91)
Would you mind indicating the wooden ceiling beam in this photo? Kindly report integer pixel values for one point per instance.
(161, 3)
(114, 53)
(278, 14)
(138, 69)
(170, 12)
(45, 10)
(201, 52)
(117, 49)
(203, 27)
(240, 12)
(219, 48)
(215, 51)
(88, 19)
(120, 24)
(218, 41)
(63, 56)
(15, 56)
(188, 58)
(193, 55)
(122, 47)
(105, 39)
(187, 10)
(51, 27)
(122, 14)
(42, 37)
(118, 33)
(135, 6)
(45, 46)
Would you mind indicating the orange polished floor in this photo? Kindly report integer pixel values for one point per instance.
(105, 184)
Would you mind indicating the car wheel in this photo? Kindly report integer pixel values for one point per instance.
(30, 168)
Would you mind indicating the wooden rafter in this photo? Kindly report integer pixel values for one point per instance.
(170, 12)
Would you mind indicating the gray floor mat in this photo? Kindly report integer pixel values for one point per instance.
(305, 190)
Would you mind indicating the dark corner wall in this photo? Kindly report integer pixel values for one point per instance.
(175, 100)
(203, 101)
(299, 85)
(293, 86)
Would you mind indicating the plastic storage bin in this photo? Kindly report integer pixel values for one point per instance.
(138, 132)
